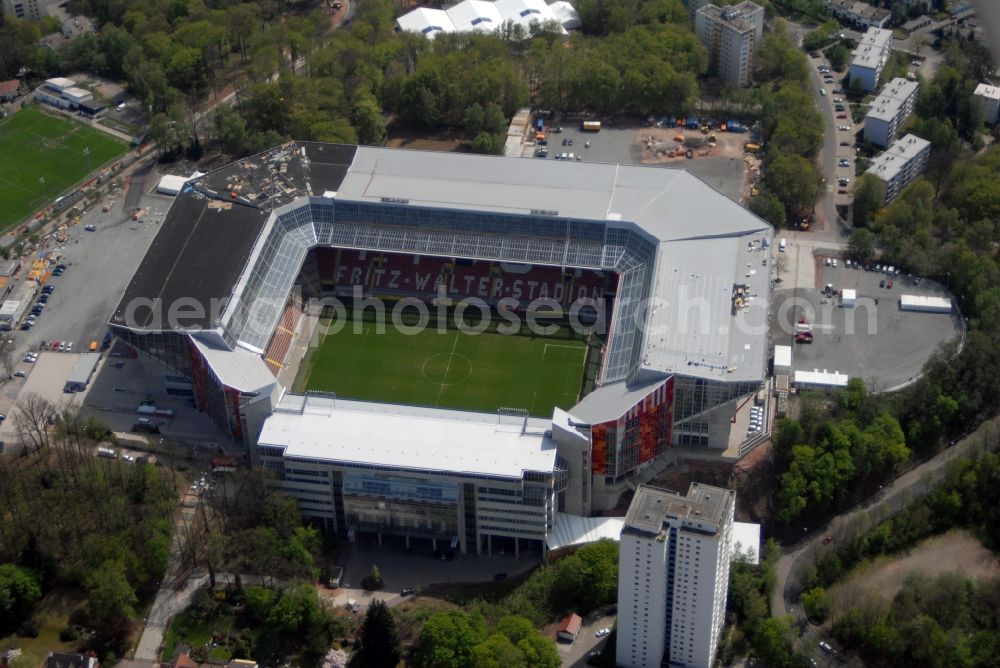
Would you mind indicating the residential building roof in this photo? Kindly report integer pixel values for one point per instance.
(872, 47)
(861, 9)
(892, 99)
(704, 506)
(895, 158)
(986, 90)
(8, 87)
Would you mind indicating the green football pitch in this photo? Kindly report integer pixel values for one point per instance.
(44, 154)
(452, 369)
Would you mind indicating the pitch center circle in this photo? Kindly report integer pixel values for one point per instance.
(447, 368)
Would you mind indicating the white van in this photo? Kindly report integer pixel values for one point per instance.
(781, 245)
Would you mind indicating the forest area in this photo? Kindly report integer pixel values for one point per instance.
(101, 529)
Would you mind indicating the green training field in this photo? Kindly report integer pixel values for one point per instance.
(449, 370)
(43, 155)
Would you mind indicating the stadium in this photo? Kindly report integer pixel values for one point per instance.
(668, 281)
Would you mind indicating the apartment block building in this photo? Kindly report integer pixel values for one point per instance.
(30, 10)
(673, 576)
(893, 106)
(730, 35)
(989, 102)
(902, 162)
(870, 57)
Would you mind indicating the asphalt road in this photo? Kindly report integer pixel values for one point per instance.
(897, 495)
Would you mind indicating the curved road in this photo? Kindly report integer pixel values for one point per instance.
(900, 493)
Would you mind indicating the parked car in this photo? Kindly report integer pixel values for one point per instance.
(19, 374)
(500, 576)
(841, 115)
(844, 128)
(881, 283)
(408, 591)
(90, 228)
(602, 632)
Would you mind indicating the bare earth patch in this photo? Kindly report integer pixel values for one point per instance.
(955, 551)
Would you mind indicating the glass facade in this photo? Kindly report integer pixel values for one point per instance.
(534, 239)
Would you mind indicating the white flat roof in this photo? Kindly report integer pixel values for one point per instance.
(408, 437)
(694, 328)
(746, 538)
(782, 357)
(239, 369)
(887, 165)
(60, 82)
(579, 530)
(986, 90)
(849, 294)
(891, 100)
(873, 45)
(824, 377)
(77, 93)
(925, 301)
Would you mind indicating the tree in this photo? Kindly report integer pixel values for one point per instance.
(862, 245)
(367, 118)
(588, 578)
(448, 638)
(838, 57)
(869, 194)
(110, 598)
(380, 646)
(483, 143)
(19, 591)
(769, 208)
(794, 180)
(816, 604)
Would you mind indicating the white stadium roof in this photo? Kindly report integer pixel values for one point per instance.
(482, 16)
(407, 437)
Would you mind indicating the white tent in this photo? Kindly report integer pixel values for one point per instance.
(427, 22)
(475, 15)
(848, 297)
(782, 359)
(566, 14)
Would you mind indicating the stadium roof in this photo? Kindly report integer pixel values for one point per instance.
(407, 437)
(695, 326)
(239, 369)
(612, 401)
(236, 237)
(668, 204)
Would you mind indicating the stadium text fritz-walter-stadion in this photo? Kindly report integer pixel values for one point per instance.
(673, 276)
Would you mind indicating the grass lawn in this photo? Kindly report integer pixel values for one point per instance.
(52, 615)
(447, 369)
(43, 155)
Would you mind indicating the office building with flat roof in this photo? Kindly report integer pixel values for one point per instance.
(870, 57)
(902, 162)
(888, 111)
(731, 35)
(859, 14)
(673, 576)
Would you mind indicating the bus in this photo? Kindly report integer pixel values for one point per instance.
(591, 126)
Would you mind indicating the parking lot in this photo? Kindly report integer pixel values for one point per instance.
(623, 145)
(873, 340)
(99, 265)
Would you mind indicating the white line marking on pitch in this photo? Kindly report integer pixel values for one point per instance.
(447, 368)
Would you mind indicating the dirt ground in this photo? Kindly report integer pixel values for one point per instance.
(955, 551)
(441, 141)
(751, 477)
(660, 145)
